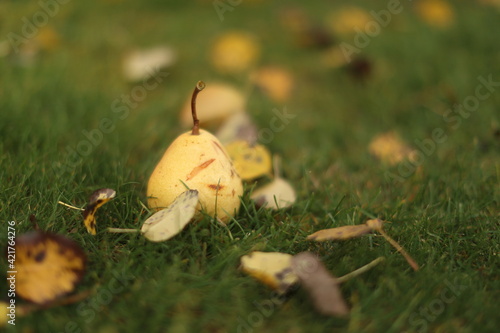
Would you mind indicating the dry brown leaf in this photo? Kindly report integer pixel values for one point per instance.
(340, 233)
(96, 200)
(322, 287)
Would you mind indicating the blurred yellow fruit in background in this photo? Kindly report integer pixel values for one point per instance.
(235, 52)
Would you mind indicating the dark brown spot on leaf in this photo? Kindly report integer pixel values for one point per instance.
(40, 256)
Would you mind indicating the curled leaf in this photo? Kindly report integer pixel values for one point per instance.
(168, 222)
(271, 268)
(322, 287)
(48, 266)
(96, 200)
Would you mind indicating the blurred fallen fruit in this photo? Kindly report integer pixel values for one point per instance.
(235, 52)
(390, 149)
(96, 200)
(237, 127)
(48, 266)
(250, 162)
(170, 221)
(322, 287)
(218, 102)
(348, 20)
(437, 13)
(271, 268)
(275, 82)
(197, 160)
(141, 65)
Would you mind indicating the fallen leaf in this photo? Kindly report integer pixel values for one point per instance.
(390, 149)
(349, 20)
(48, 266)
(340, 233)
(437, 13)
(275, 195)
(239, 126)
(218, 102)
(275, 82)
(170, 221)
(322, 287)
(141, 65)
(96, 200)
(271, 268)
(250, 162)
(235, 52)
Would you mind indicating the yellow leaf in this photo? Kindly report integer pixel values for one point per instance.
(271, 268)
(97, 199)
(437, 13)
(168, 222)
(340, 233)
(250, 161)
(235, 52)
(48, 266)
(275, 82)
(390, 149)
(322, 287)
(348, 20)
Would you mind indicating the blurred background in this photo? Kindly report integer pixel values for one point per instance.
(348, 69)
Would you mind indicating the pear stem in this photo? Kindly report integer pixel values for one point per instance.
(196, 123)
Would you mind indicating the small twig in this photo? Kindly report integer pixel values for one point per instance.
(360, 270)
(398, 247)
(69, 206)
(122, 231)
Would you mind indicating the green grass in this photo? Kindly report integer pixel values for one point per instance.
(445, 214)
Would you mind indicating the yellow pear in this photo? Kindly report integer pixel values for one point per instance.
(198, 161)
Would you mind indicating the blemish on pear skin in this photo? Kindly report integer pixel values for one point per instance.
(216, 187)
(217, 145)
(198, 168)
(233, 192)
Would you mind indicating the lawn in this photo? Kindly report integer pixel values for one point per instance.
(409, 77)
